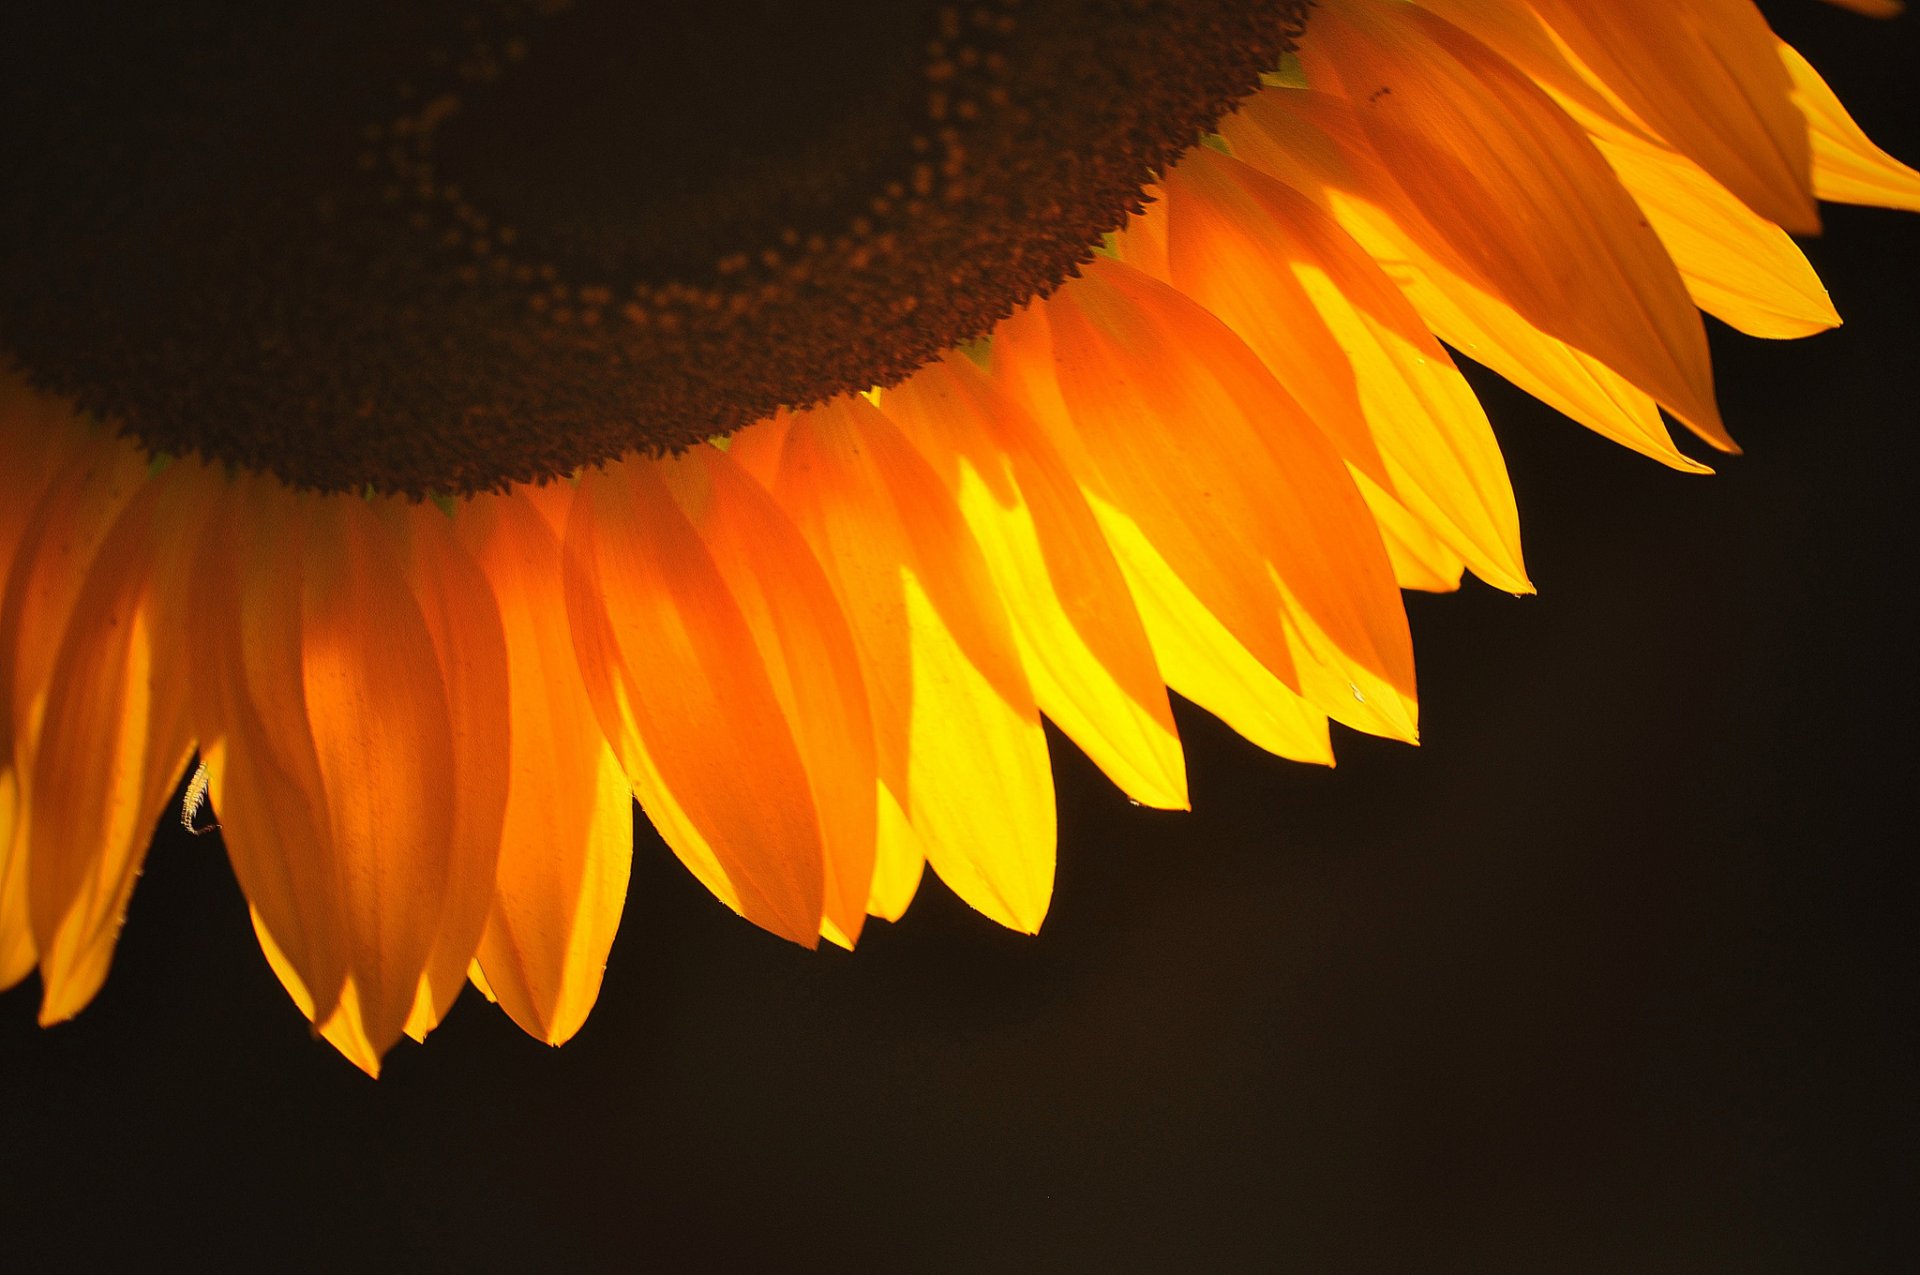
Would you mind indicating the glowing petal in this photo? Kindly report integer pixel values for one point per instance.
(810, 658)
(1331, 326)
(1245, 490)
(958, 735)
(1516, 194)
(1738, 267)
(683, 692)
(1197, 653)
(250, 716)
(1705, 76)
(1312, 142)
(383, 739)
(457, 603)
(115, 738)
(567, 845)
(55, 543)
(1847, 167)
(1080, 637)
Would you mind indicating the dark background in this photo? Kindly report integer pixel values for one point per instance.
(1602, 978)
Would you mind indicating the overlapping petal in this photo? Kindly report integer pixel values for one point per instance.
(819, 653)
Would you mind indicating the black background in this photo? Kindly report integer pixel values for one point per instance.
(1601, 978)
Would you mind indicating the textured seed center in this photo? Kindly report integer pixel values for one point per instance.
(446, 246)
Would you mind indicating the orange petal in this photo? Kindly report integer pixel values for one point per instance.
(1738, 266)
(115, 738)
(683, 692)
(811, 661)
(1705, 76)
(17, 954)
(457, 602)
(1313, 143)
(1081, 640)
(1205, 662)
(250, 716)
(1420, 560)
(1847, 167)
(959, 741)
(1236, 488)
(1331, 326)
(383, 738)
(54, 544)
(1514, 192)
(1196, 653)
(567, 847)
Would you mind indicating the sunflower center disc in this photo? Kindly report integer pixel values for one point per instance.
(446, 246)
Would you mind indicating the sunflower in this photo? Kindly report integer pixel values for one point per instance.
(430, 428)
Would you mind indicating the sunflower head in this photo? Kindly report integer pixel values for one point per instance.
(1024, 403)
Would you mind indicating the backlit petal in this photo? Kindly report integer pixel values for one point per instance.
(811, 662)
(1080, 637)
(1313, 143)
(1705, 76)
(958, 735)
(1331, 326)
(1847, 167)
(1245, 499)
(469, 641)
(567, 845)
(683, 692)
(115, 737)
(1516, 194)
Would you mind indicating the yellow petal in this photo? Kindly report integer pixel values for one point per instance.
(1312, 142)
(1847, 167)
(1236, 488)
(959, 740)
(1198, 656)
(1081, 640)
(1705, 76)
(342, 1027)
(1420, 560)
(899, 861)
(54, 542)
(1738, 267)
(1203, 661)
(567, 845)
(1513, 190)
(683, 692)
(1333, 328)
(17, 954)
